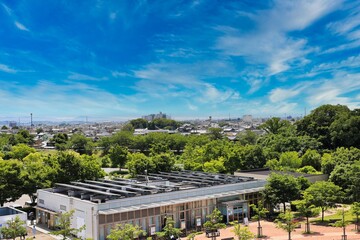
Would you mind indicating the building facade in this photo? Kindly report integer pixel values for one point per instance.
(148, 201)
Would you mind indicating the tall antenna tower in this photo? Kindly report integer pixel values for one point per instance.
(31, 121)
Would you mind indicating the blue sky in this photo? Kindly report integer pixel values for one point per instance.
(112, 60)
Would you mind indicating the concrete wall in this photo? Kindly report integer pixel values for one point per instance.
(84, 211)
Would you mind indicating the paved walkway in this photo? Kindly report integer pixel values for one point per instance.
(269, 229)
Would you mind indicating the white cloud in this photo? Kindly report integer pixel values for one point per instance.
(270, 43)
(78, 76)
(279, 94)
(347, 27)
(21, 26)
(348, 24)
(334, 90)
(118, 74)
(71, 99)
(7, 69)
(192, 107)
(210, 94)
(350, 62)
(7, 9)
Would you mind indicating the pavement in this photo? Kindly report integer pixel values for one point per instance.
(272, 233)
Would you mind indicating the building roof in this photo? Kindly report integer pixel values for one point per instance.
(154, 183)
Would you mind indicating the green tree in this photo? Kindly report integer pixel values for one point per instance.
(311, 158)
(215, 166)
(242, 233)
(138, 163)
(345, 131)
(37, 174)
(125, 232)
(281, 188)
(74, 167)
(287, 223)
(60, 141)
(308, 170)
(20, 151)
(15, 228)
(317, 124)
(118, 156)
(290, 160)
(164, 162)
(306, 209)
(215, 133)
(324, 195)
(354, 188)
(341, 176)
(90, 167)
(355, 209)
(342, 223)
(260, 213)
(128, 128)
(139, 123)
(274, 125)
(251, 157)
(214, 222)
(39, 130)
(247, 137)
(23, 136)
(11, 181)
(327, 163)
(64, 224)
(123, 138)
(81, 144)
(169, 231)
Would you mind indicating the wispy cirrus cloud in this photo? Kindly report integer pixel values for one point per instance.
(79, 76)
(77, 98)
(335, 90)
(347, 27)
(21, 26)
(7, 69)
(11, 14)
(284, 94)
(270, 43)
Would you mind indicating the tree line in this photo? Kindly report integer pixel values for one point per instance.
(325, 141)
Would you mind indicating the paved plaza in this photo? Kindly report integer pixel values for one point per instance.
(271, 232)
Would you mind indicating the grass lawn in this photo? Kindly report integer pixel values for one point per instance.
(337, 216)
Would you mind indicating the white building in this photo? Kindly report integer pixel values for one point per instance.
(9, 213)
(186, 197)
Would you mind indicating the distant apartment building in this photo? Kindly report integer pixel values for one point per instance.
(12, 124)
(153, 116)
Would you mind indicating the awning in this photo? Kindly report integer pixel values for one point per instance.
(46, 210)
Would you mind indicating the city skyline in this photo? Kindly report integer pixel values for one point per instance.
(119, 60)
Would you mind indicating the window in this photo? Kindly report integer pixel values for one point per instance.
(62, 207)
(41, 201)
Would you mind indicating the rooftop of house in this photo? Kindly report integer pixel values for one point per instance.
(5, 211)
(153, 183)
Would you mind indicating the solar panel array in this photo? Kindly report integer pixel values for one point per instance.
(103, 190)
